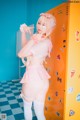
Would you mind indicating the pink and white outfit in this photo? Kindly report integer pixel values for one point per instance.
(36, 79)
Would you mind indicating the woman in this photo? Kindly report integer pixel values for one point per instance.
(35, 82)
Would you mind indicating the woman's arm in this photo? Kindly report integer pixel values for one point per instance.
(25, 29)
(25, 51)
(23, 39)
(26, 44)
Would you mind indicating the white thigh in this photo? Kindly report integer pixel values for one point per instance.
(27, 110)
(39, 110)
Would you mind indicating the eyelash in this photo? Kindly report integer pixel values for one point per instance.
(39, 23)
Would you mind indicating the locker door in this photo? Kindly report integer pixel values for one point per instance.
(56, 66)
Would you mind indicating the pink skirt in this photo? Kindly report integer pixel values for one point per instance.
(34, 81)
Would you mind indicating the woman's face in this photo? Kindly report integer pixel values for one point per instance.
(41, 25)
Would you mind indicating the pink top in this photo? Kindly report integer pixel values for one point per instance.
(41, 49)
(36, 77)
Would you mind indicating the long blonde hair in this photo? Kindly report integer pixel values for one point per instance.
(51, 22)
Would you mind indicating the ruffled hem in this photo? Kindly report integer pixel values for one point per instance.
(35, 73)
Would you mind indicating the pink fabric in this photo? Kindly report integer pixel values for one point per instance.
(34, 37)
(35, 79)
(35, 83)
(35, 73)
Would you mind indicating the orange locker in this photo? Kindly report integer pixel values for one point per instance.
(63, 97)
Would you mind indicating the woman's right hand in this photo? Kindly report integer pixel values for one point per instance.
(24, 28)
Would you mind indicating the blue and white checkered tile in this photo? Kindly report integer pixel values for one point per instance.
(11, 105)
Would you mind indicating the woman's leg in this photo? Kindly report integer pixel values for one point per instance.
(27, 110)
(39, 103)
(39, 110)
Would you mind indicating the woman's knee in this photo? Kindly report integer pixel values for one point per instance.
(27, 110)
(39, 110)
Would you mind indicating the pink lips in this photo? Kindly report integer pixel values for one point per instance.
(39, 30)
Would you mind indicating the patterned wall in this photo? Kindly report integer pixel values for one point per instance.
(72, 95)
(64, 65)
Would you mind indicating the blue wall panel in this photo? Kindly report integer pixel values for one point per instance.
(12, 14)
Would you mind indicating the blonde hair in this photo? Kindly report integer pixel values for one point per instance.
(51, 23)
(51, 19)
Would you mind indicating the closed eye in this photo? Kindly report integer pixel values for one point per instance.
(43, 24)
(39, 23)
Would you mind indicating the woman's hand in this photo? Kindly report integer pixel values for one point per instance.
(27, 62)
(24, 61)
(24, 28)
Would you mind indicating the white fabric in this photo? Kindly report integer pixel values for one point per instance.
(39, 110)
(36, 79)
(27, 110)
(38, 107)
(42, 48)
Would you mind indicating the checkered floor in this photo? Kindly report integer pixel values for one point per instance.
(10, 102)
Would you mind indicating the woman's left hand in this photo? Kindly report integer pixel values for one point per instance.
(24, 61)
